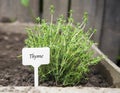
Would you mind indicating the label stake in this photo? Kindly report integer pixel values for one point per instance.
(36, 57)
(36, 76)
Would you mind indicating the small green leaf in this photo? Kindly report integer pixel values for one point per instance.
(38, 19)
(25, 3)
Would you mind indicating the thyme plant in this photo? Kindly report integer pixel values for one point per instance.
(70, 49)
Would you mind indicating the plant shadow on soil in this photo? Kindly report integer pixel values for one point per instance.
(13, 73)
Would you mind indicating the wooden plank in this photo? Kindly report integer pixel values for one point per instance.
(61, 7)
(81, 6)
(78, 9)
(13, 10)
(95, 12)
(25, 14)
(110, 41)
(98, 20)
(5, 10)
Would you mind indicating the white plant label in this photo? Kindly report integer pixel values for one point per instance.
(35, 57)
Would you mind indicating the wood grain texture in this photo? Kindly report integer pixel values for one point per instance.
(13, 10)
(95, 12)
(110, 40)
(61, 7)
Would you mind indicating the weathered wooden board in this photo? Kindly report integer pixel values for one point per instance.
(12, 10)
(110, 44)
(98, 20)
(110, 40)
(78, 9)
(61, 7)
(95, 12)
(81, 6)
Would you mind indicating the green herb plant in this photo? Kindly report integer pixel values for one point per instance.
(70, 49)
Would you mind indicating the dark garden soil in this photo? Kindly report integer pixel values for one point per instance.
(12, 72)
